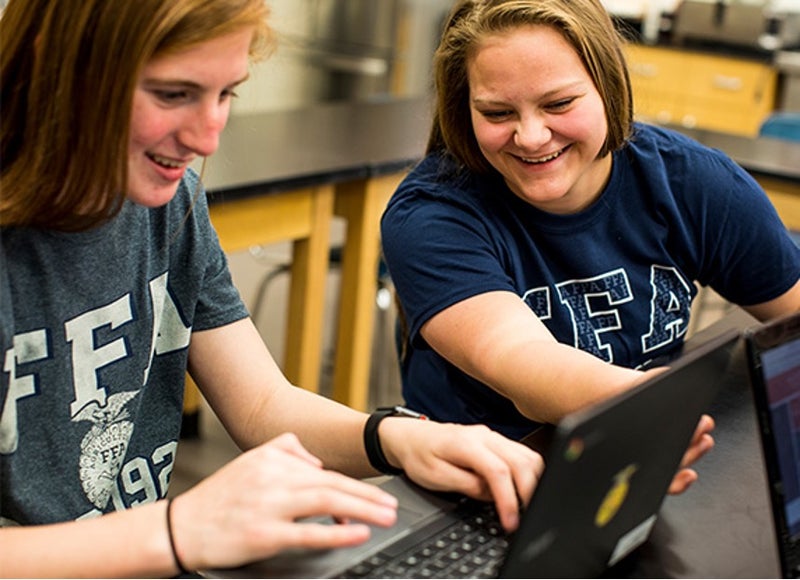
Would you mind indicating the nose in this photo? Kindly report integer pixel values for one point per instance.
(203, 127)
(531, 132)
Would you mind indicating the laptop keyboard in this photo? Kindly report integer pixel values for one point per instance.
(471, 547)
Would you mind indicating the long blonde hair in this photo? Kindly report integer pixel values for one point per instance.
(68, 70)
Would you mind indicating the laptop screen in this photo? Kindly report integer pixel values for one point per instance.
(781, 374)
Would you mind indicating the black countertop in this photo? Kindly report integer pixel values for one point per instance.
(331, 142)
(777, 158)
(283, 150)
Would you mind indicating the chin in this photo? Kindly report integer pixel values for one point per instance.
(154, 197)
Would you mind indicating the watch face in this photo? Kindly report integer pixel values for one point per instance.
(400, 411)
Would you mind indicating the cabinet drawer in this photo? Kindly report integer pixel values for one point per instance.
(651, 69)
(720, 115)
(650, 65)
(727, 80)
(700, 90)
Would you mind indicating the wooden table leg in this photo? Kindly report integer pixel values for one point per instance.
(192, 401)
(361, 204)
(310, 265)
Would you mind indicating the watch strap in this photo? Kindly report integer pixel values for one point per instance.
(372, 441)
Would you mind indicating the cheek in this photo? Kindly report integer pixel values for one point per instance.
(588, 124)
(147, 127)
(143, 134)
(490, 136)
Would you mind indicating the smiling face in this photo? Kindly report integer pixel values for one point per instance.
(538, 118)
(180, 106)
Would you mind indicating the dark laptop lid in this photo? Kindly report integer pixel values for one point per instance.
(774, 361)
(609, 467)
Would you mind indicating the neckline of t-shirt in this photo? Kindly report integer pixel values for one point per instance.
(566, 224)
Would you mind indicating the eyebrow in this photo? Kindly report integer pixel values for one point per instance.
(184, 84)
(573, 86)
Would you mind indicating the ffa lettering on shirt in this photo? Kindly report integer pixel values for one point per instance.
(592, 304)
(103, 447)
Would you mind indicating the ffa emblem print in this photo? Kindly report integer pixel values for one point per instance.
(104, 446)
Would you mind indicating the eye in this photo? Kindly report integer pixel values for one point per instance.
(561, 104)
(496, 115)
(228, 94)
(170, 97)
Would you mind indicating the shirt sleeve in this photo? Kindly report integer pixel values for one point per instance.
(439, 253)
(750, 256)
(218, 300)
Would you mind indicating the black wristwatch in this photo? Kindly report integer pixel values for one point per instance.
(372, 442)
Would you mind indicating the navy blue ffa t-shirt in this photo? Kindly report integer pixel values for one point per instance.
(616, 280)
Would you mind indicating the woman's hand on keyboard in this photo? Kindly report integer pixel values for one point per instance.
(254, 507)
(470, 459)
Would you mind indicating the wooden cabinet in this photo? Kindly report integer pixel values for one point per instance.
(699, 90)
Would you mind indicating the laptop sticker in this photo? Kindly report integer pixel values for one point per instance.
(615, 497)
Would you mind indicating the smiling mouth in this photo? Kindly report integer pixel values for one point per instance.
(165, 161)
(545, 159)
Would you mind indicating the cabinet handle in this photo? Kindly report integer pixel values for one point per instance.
(727, 83)
(664, 116)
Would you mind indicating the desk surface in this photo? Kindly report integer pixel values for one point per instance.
(721, 527)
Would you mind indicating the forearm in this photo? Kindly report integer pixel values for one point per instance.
(256, 403)
(495, 338)
(545, 380)
(548, 380)
(129, 543)
(331, 431)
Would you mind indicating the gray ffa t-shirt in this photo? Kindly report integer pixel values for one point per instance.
(94, 329)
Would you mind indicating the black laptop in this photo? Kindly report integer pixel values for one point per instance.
(774, 361)
(608, 469)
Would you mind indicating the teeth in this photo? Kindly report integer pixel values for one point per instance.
(166, 162)
(543, 159)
